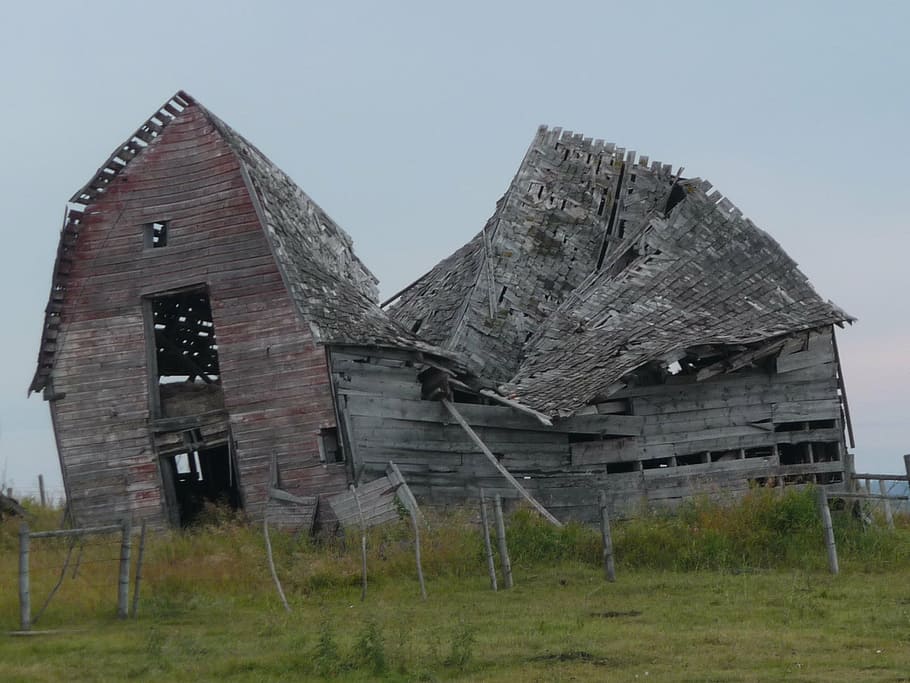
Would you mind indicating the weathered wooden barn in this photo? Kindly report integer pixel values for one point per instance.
(211, 336)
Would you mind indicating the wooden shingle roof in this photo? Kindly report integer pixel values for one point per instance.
(596, 263)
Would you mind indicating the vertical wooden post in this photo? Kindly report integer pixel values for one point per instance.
(503, 548)
(416, 523)
(25, 605)
(825, 513)
(273, 483)
(41, 490)
(907, 466)
(487, 546)
(138, 580)
(363, 546)
(123, 586)
(848, 471)
(609, 567)
(886, 504)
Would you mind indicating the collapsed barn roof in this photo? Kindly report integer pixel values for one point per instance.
(595, 265)
(332, 289)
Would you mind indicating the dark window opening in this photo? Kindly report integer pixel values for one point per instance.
(790, 427)
(825, 451)
(759, 452)
(691, 459)
(621, 467)
(821, 424)
(830, 477)
(329, 447)
(577, 437)
(656, 463)
(793, 454)
(200, 478)
(724, 456)
(187, 377)
(416, 326)
(156, 234)
(459, 396)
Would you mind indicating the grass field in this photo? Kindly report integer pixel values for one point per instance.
(734, 593)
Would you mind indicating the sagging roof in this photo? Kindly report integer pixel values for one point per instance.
(594, 265)
(331, 287)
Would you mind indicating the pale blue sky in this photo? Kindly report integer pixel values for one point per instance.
(406, 121)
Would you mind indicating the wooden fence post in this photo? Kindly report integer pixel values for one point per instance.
(907, 466)
(25, 605)
(503, 548)
(889, 516)
(609, 567)
(138, 580)
(268, 553)
(849, 471)
(825, 513)
(123, 587)
(363, 546)
(407, 499)
(487, 546)
(41, 490)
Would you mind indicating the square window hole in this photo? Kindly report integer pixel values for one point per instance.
(156, 234)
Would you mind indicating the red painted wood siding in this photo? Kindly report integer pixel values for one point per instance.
(275, 380)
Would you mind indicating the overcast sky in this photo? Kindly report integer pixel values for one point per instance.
(406, 122)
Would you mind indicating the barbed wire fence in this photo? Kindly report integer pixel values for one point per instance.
(94, 563)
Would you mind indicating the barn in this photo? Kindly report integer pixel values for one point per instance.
(211, 337)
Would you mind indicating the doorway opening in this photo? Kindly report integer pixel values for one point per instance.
(201, 478)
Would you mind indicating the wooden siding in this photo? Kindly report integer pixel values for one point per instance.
(275, 380)
(683, 438)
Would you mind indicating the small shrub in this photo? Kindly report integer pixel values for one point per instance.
(370, 648)
(462, 649)
(326, 657)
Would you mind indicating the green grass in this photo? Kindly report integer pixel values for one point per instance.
(713, 593)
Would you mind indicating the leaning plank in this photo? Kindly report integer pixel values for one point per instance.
(495, 462)
(278, 494)
(375, 501)
(543, 419)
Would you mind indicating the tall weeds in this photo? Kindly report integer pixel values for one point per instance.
(224, 560)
